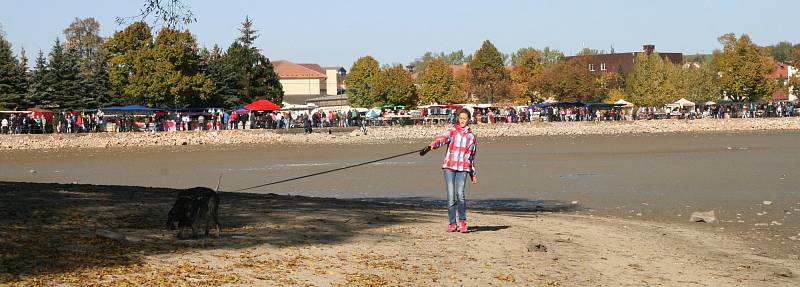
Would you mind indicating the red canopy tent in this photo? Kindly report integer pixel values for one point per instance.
(262, 105)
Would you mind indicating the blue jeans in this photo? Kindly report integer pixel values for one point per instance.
(455, 181)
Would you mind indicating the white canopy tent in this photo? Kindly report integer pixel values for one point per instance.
(684, 103)
(624, 103)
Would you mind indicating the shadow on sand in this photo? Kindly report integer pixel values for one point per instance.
(51, 228)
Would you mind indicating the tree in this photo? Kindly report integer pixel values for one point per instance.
(452, 58)
(256, 77)
(359, 81)
(40, 88)
(525, 76)
(781, 52)
(12, 81)
(64, 80)
(488, 74)
(589, 51)
(436, 83)
(83, 36)
(570, 80)
(123, 51)
(615, 95)
(393, 86)
(700, 84)
(606, 82)
(653, 82)
(744, 69)
(168, 74)
(173, 13)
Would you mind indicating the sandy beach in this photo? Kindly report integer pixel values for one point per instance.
(387, 134)
(50, 239)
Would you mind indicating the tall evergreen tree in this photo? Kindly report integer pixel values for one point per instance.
(83, 36)
(254, 75)
(40, 87)
(64, 77)
(12, 81)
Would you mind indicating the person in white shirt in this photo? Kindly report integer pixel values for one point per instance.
(4, 128)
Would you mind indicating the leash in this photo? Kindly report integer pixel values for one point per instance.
(421, 153)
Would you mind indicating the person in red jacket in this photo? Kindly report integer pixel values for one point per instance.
(459, 162)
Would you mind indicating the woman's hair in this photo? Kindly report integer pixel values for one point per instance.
(464, 111)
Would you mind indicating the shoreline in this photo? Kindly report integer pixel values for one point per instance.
(270, 239)
(381, 135)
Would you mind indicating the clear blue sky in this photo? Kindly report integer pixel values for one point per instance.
(336, 33)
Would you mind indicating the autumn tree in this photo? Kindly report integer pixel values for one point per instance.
(570, 80)
(700, 83)
(360, 80)
(393, 86)
(654, 81)
(488, 75)
(436, 83)
(781, 51)
(744, 69)
(547, 56)
(526, 76)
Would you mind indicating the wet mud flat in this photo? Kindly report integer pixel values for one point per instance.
(748, 178)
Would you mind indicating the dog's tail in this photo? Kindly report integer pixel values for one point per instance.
(219, 181)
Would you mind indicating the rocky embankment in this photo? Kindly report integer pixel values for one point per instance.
(378, 135)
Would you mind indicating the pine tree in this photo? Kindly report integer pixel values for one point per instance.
(64, 77)
(39, 88)
(12, 80)
(256, 77)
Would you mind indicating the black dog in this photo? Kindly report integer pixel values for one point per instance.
(194, 206)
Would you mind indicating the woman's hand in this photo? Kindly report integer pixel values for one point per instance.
(474, 179)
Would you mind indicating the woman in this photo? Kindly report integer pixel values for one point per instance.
(459, 162)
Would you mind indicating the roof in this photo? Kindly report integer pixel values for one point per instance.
(314, 67)
(328, 98)
(288, 70)
(779, 69)
(780, 95)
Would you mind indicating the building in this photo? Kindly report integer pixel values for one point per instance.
(782, 72)
(304, 81)
(622, 62)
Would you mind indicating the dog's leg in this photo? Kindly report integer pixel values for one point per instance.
(215, 212)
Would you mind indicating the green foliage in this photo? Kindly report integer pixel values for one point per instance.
(570, 80)
(488, 75)
(547, 56)
(12, 79)
(436, 83)
(83, 36)
(654, 81)
(782, 51)
(124, 51)
(700, 84)
(168, 74)
(64, 80)
(589, 51)
(452, 58)
(360, 80)
(744, 69)
(393, 86)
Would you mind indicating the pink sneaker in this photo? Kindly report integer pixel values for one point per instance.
(463, 224)
(451, 228)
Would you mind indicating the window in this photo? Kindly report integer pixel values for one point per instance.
(591, 67)
(602, 66)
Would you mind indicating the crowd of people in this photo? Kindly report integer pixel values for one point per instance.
(218, 119)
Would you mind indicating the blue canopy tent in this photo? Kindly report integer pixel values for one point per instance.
(130, 110)
(558, 105)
